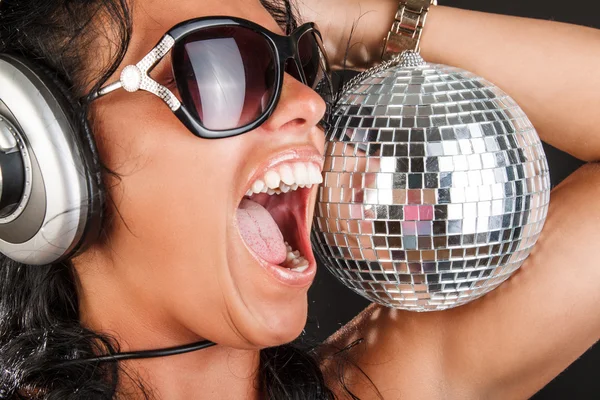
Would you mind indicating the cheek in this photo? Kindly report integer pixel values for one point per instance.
(176, 193)
(168, 193)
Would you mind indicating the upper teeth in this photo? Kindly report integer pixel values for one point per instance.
(284, 178)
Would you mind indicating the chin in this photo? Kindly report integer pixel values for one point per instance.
(260, 319)
(281, 325)
(270, 260)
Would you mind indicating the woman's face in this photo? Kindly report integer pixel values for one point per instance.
(175, 261)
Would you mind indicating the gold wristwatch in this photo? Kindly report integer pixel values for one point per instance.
(405, 33)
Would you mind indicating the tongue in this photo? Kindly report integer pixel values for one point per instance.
(260, 232)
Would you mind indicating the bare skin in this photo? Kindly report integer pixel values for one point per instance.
(154, 284)
(512, 342)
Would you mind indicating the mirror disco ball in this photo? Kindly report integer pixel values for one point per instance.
(436, 187)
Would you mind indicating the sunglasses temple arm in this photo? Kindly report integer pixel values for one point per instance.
(105, 90)
(139, 78)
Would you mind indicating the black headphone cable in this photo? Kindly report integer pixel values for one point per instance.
(165, 352)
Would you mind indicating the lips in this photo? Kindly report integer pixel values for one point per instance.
(275, 227)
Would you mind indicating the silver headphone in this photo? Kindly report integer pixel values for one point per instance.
(50, 185)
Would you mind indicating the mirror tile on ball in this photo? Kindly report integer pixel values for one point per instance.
(436, 188)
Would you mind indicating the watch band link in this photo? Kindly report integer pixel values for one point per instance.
(406, 30)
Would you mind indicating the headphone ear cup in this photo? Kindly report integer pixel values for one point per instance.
(84, 138)
(61, 206)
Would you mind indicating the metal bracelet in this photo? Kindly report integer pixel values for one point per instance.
(406, 30)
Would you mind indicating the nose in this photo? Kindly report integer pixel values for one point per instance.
(299, 109)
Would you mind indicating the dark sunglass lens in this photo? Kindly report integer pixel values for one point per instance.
(310, 59)
(314, 66)
(225, 76)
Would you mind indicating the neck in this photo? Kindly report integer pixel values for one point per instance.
(136, 324)
(203, 374)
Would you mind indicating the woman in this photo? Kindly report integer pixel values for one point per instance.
(176, 263)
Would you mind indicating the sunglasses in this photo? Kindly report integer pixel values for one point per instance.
(228, 72)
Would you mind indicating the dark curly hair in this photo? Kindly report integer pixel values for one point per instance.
(39, 306)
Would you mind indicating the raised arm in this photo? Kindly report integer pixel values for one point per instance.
(549, 68)
(513, 341)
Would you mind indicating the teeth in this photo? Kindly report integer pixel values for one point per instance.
(301, 268)
(294, 261)
(258, 186)
(286, 178)
(300, 173)
(272, 179)
(287, 175)
(314, 175)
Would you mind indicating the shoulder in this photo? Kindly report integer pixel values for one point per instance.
(385, 353)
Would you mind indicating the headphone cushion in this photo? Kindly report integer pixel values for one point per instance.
(69, 134)
(77, 113)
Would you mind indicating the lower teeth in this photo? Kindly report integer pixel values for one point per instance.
(294, 261)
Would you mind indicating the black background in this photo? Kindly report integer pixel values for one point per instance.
(332, 305)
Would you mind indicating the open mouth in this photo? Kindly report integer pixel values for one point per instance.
(272, 216)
